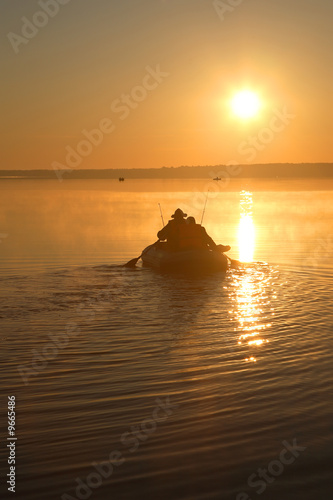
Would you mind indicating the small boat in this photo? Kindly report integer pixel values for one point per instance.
(196, 260)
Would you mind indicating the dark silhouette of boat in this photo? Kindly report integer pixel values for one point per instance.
(194, 260)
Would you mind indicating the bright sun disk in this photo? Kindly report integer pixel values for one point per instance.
(245, 104)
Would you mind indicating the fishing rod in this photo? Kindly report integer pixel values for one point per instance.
(203, 213)
(161, 214)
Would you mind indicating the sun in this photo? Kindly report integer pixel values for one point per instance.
(245, 104)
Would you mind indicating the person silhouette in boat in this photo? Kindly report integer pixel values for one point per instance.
(184, 234)
(171, 232)
(199, 231)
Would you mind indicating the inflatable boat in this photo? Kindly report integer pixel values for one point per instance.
(196, 260)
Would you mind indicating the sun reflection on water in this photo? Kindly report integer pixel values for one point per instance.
(246, 231)
(252, 308)
(253, 290)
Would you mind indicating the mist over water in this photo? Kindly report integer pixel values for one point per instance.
(196, 382)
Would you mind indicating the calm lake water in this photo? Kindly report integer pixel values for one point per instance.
(132, 384)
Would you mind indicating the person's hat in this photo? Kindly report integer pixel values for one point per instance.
(179, 214)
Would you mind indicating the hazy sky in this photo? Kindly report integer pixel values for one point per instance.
(154, 80)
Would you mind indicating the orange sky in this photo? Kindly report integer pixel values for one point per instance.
(153, 80)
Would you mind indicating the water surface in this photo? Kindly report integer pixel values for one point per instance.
(241, 362)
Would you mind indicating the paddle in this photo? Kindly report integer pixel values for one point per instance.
(233, 262)
(132, 263)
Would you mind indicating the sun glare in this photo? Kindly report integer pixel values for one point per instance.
(245, 104)
(246, 231)
(246, 238)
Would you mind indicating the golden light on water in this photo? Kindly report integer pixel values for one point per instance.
(253, 289)
(246, 238)
(251, 299)
(246, 231)
(251, 359)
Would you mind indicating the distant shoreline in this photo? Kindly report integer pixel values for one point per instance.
(260, 171)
